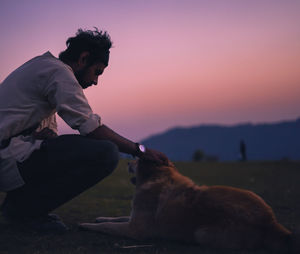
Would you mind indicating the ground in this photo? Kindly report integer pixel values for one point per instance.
(276, 182)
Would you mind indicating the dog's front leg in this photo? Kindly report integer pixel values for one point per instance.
(112, 228)
(112, 219)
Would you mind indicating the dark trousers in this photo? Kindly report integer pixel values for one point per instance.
(63, 168)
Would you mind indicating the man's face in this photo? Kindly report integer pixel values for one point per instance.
(88, 75)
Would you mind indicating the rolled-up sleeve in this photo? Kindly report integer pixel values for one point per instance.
(66, 95)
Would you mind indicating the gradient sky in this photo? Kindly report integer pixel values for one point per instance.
(174, 63)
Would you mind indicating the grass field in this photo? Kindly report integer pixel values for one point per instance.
(276, 182)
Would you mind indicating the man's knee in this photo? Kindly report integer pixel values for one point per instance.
(106, 158)
(100, 163)
(111, 157)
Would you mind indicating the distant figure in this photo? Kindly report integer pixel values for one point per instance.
(243, 150)
(40, 170)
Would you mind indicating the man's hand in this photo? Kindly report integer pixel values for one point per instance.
(156, 156)
(45, 133)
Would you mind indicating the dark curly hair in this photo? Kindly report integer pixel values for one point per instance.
(96, 42)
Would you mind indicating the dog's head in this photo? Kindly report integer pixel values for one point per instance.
(146, 170)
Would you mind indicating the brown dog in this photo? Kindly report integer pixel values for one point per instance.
(168, 205)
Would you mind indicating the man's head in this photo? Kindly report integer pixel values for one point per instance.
(88, 54)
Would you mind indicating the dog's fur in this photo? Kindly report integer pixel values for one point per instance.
(168, 205)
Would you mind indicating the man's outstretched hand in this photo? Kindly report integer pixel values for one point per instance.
(155, 156)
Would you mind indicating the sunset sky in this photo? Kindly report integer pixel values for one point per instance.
(174, 63)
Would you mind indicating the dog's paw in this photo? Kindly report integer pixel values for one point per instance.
(102, 219)
(112, 219)
(82, 227)
(87, 226)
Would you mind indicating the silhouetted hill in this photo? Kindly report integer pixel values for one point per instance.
(272, 141)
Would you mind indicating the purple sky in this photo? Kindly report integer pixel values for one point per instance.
(173, 62)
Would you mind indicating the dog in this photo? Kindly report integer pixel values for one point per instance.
(168, 205)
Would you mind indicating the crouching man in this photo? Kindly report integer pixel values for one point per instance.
(40, 170)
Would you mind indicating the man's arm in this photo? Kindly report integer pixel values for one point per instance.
(64, 92)
(103, 132)
(126, 146)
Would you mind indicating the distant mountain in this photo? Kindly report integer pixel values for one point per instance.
(272, 141)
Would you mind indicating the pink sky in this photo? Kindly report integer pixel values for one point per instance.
(174, 63)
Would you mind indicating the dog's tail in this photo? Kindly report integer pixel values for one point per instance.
(282, 241)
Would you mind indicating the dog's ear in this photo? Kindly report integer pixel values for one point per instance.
(170, 164)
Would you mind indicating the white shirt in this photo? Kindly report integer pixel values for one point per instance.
(30, 96)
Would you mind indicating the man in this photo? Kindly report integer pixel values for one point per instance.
(40, 170)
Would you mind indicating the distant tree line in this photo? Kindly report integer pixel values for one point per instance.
(199, 155)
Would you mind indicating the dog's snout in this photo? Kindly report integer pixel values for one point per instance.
(132, 167)
(133, 180)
